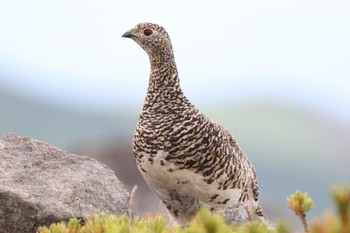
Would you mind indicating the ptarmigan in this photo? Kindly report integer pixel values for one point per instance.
(188, 160)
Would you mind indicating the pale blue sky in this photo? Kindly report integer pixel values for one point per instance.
(72, 53)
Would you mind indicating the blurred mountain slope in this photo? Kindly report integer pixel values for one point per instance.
(59, 126)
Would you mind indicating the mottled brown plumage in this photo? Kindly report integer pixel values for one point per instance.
(188, 160)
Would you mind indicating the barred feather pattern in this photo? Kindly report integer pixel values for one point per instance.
(187, 159)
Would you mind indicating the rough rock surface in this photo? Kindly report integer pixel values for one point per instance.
(40, 184)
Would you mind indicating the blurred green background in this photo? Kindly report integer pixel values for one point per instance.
(276, 74)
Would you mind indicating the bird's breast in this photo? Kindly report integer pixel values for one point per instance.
(165, 178)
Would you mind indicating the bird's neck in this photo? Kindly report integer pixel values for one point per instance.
(164, 94)
(164, 79)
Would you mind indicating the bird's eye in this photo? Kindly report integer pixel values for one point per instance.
(147, 32)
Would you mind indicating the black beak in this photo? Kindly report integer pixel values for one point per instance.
(127, 35)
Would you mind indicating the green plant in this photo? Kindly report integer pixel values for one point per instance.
(341, 196)
(300, 203)
(206, 222)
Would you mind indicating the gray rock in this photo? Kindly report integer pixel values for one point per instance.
(40, 184)
(243, 213)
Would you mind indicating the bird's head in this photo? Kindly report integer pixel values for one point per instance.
(151, 37)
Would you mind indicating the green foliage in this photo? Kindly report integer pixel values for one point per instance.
(300, 203)
(101, 223)
(206, 222)
(341, 196)
(73, 227)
